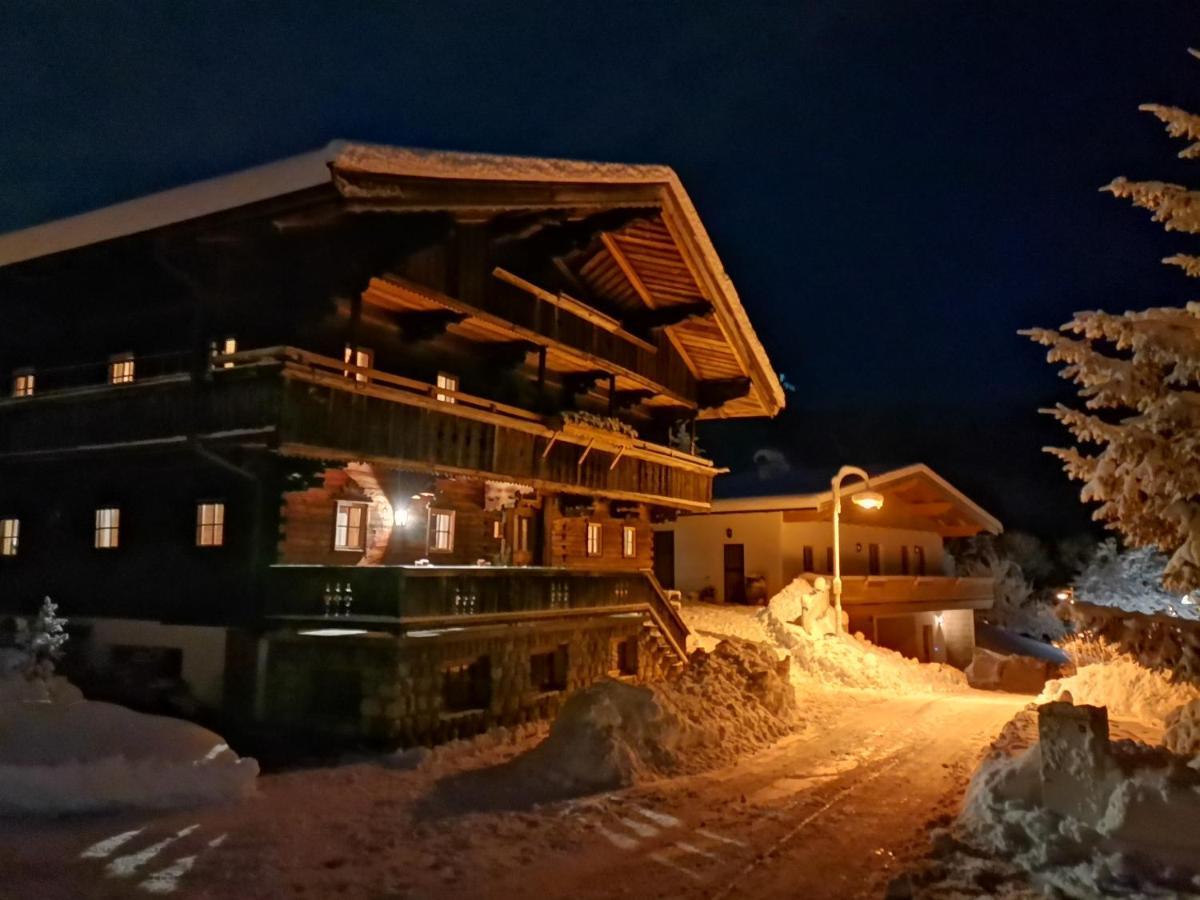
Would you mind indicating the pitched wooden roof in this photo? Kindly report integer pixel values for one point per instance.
(663, 260)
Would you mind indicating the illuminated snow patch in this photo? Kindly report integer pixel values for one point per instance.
(659, 818)
(694, 850)
(662, 859)
(719, 838)
(124, 866)
(103, 848)
(641, 829)
(165, 881)
(620, 841)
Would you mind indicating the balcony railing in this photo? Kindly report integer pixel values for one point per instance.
(407, 598)
(321, 406)
(932, 591)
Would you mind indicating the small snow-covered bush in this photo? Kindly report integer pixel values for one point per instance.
(41, 642)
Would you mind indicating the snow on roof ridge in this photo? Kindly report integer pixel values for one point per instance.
(384, 159)
(177, 204)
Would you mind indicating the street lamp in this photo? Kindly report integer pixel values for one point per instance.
(867, 499)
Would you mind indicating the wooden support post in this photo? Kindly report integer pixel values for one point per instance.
(586, 451)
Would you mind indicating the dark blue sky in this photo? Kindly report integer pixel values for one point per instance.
(895, 186)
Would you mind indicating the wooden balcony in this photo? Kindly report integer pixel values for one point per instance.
(305, 404)
(423, 598)
(881, 594)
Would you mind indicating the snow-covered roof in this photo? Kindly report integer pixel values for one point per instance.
(202, 198)
(341, 163)
(814, 499)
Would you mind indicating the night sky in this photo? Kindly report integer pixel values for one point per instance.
(895, 187)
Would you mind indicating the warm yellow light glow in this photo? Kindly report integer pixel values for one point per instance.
(1062, 595)
(400, 516)
(868, 499)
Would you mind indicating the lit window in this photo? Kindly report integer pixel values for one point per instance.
(446, 382)
(350, 526)
(210, 524)
(108, 527)
(10, 533)
(497, 530)
(227, 347)
(628, 541)
(362, 357)
(120, 369)
(23, 384)
(594, 545)
(441, 530)
(523, 534)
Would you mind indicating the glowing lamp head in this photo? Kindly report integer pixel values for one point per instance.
(1063, 595)
(400, 516)
(868, 499)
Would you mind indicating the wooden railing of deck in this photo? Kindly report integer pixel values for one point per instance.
(407, 598)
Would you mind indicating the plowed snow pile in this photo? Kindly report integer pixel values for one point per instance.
(1182, 735)
(1127, 688)
(799, 620)
(732, 701)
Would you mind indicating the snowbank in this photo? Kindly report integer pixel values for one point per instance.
(1182, 734)
(1127, 688)
(727, 703)
(85, 756)
(799, 620)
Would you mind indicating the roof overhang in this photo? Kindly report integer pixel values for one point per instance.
(924, 492)
(720, 347)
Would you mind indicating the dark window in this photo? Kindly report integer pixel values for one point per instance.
(625, 656)
(920, 554)
(467, 685)
(548, 670)
(905, 568)
(808, 559)
(873, 559)
(829, 560)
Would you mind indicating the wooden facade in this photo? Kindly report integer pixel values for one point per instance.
(390, 360)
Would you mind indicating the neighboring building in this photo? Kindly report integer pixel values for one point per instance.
(896, 587)
(368, 440)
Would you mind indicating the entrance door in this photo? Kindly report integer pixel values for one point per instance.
(664, 558)
(735, 573)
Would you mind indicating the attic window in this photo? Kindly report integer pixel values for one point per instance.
(628, 541)
(23, 383)
(227, 347)
(362, 358)
(446, 382)
(120, 369)
(594, 538)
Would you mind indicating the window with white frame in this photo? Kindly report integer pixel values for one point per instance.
(210, 524)
(23, 382)
(497, 530)
(441, 530)
(446, 382)
(628, 541)
(120, 369)
(523, 534)
(362, 357)
(10, 535)
(108, 528)
(350, 526)
(594, 538)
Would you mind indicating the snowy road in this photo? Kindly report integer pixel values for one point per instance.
(833, 811)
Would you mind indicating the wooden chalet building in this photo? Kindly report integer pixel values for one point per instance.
(370, 439)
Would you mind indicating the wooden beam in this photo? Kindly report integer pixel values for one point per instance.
(575, 307)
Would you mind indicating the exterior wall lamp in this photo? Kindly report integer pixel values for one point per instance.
(866, 499)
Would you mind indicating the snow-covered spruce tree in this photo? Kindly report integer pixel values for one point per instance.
(1138, 374)
(41, 642)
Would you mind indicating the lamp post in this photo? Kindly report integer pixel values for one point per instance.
(867, 499)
